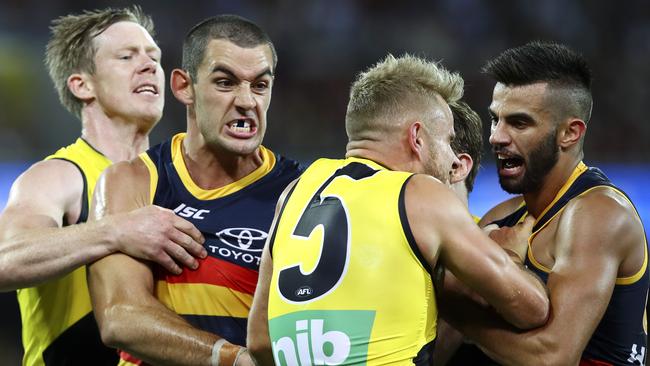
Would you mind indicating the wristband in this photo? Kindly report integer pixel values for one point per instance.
(242, 350)
(225, 356)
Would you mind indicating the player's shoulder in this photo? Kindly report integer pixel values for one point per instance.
(48, 187)
(429, 197)
(55, 175)
(502, 210)
(603, 205)
(130, 173)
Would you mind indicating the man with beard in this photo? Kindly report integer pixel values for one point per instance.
(346, 275)
(588, 242)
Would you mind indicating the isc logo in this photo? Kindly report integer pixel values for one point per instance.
(312, 346)
(187, 211)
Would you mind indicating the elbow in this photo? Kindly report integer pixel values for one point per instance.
(111, 327)
(260, 349)
(533, 313)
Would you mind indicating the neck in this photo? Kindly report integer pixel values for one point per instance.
(117, 140)
(461, 192)
(211, 168)
(554, 181)
(392, 157)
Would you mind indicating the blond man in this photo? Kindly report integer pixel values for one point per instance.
(106, 69)
(346, 274)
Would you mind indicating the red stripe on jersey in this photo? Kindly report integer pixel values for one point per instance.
(584, 362)
(218, 272)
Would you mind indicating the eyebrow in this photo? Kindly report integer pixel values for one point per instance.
(229, 72)
(137, 48)
(519, 115)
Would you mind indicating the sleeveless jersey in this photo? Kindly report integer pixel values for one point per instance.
(620, 337)
(349, 284)
(235, 220)
(57, 322)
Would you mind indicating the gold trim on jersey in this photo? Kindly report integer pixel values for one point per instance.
(619, 280)
(153, 175)
(268, 162)
(204, 299)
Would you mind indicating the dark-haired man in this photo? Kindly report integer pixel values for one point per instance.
(588, 243)
(468, 147)
(106, 69)
(219, 177)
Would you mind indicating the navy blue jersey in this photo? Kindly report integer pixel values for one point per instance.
(620, 337)
(235, 221)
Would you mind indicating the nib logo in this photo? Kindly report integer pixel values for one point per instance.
(322, 339)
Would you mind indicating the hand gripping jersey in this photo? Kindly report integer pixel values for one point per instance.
(620, 337)
(57, 320)
(349, 284)
(235, 220)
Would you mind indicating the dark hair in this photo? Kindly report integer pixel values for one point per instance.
(232, 28)
(549, 62)
(469, 137)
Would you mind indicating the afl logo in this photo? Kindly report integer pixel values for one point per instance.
(304, 291)
(250, 240)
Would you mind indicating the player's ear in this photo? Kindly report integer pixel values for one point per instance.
(416, 139)
(461, 169)
(181, 84)
(81, 86)
(571, 133)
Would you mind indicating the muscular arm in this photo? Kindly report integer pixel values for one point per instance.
(590, 251)
(127, 312)
(34, 247)
(444, 230)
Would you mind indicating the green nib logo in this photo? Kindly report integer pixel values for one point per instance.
(321, 337)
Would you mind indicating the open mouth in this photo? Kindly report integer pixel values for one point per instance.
(149, 89)
(509, 164)
(242, 126)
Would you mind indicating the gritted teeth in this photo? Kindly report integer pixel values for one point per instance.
(241, 125)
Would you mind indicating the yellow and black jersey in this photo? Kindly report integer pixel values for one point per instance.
(235, 220)
(58, 327)
(349, 284)
(620, 337)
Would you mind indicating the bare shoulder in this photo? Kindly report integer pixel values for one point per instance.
(50, 188)
(602, 219)
(433, 211)
(501, 210)
(124, 185)
(604, 207)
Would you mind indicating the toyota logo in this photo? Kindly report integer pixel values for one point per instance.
(250, 240)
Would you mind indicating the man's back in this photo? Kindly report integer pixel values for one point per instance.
(342, 231)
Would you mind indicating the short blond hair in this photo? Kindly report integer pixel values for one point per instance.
(70, 49)
(394, 84)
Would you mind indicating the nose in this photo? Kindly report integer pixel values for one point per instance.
(244, 97)
(498, 135)
(148, 65)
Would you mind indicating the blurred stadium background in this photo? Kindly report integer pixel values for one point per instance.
(321, 46)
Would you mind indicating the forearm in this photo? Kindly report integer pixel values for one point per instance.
(525, 304)
(500, 340)
(41, 254)
(156, 335)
